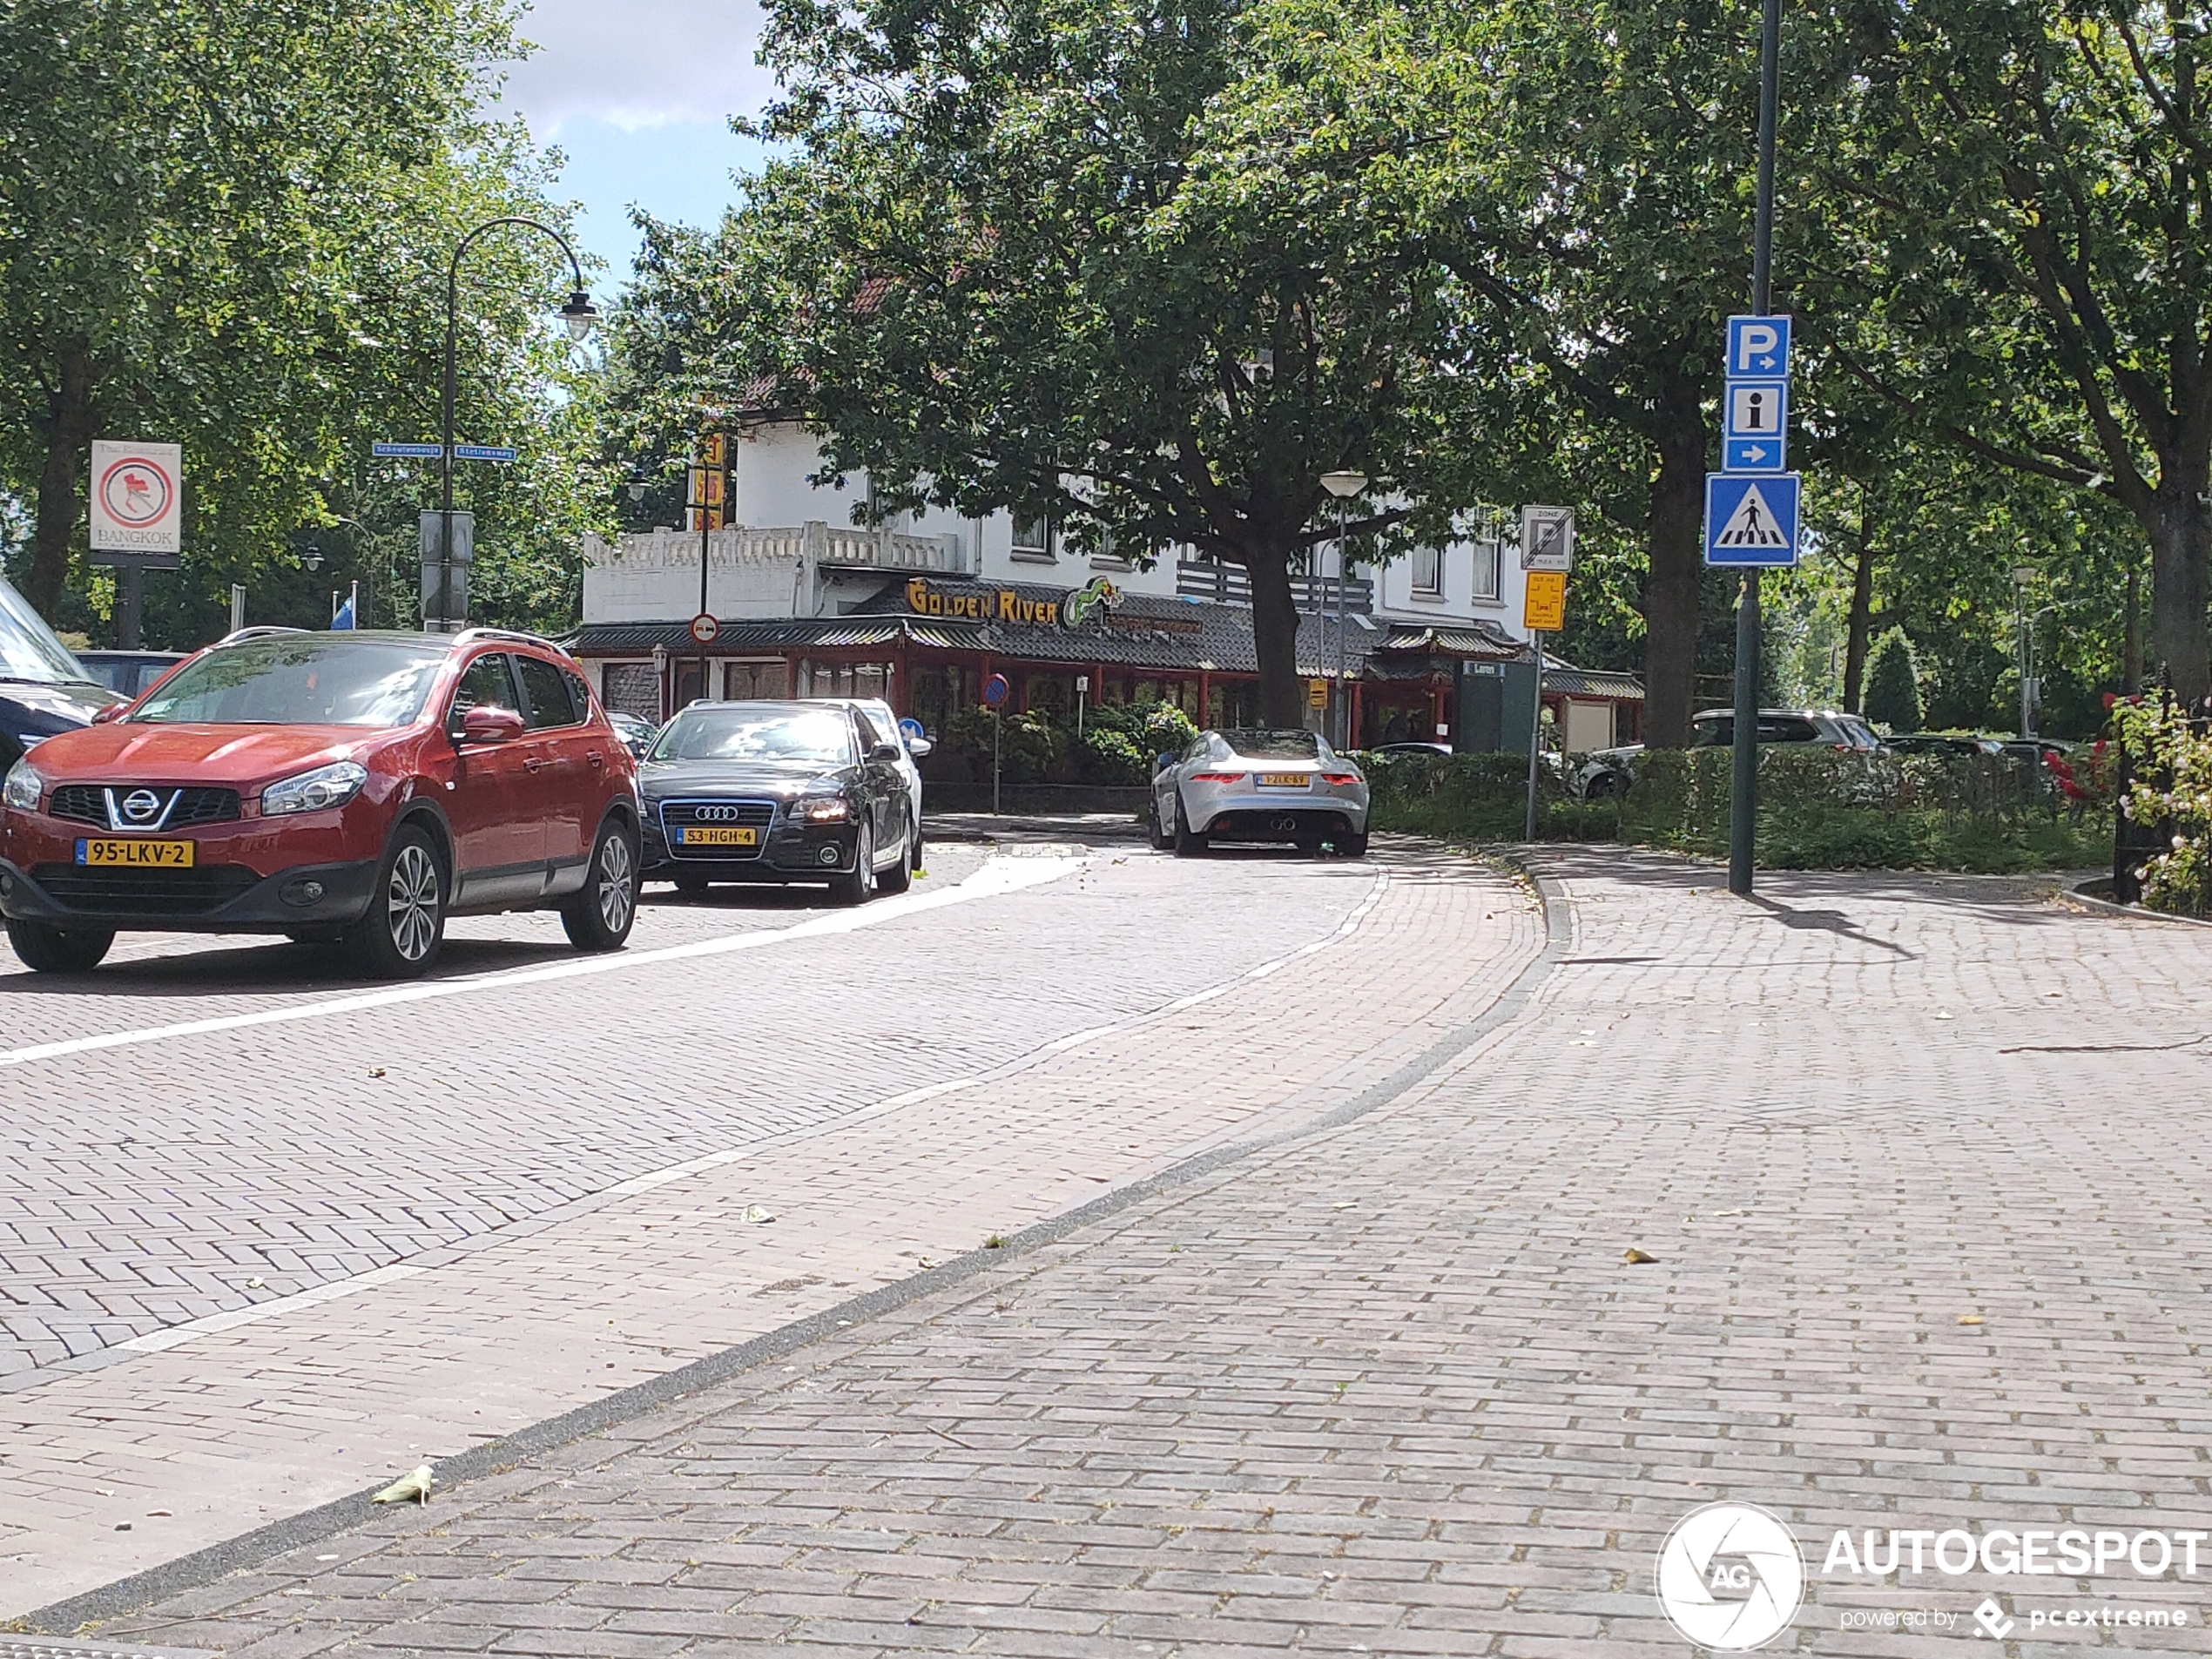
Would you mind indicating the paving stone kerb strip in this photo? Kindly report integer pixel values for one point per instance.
(141, 1590)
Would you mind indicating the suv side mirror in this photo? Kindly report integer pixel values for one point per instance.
(482, 725)
(111, 714)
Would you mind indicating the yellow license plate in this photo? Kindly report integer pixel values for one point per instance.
(1284, 780)
(168, 856)
(718, 835)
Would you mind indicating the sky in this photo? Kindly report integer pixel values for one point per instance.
(638, 97)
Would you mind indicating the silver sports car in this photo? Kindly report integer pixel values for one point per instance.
(1258, 786)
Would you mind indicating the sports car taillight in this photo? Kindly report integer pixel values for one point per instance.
(1217, 777)
(1339, 776)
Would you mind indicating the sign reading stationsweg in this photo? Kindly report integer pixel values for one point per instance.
(137, 497)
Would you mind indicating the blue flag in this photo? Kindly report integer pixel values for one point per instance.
(345, 616)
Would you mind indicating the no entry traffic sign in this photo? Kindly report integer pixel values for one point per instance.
(137, 494)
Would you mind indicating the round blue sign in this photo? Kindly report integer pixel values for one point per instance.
(996, 689)
(912, 730)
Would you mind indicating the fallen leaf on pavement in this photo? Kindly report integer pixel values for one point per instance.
(755, 1214)
(376, 1071)
(1633, 1255)
(1970, 1318)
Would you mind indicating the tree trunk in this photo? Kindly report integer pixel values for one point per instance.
(1281, 699)
(1862, 614)
(69, 431)
(1674, 542)
(2180, 550)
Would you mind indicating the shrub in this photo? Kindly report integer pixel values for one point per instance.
(1106, 755)
(1893, 683)
(2171, 792)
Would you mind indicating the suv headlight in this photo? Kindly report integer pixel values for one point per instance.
(311, 791)
(24, 786)
(819, 809)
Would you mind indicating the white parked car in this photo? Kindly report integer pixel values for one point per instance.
(1608, 773)
(879, 715)
(1244, 785)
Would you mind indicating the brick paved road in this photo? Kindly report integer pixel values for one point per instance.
(1391, 1388)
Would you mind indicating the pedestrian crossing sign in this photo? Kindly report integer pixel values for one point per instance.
(1752, 518)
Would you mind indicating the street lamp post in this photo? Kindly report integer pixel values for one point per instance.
(2024, 645)
(578, 314)
(1343, 485)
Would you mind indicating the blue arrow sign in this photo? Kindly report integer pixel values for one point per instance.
(1755, 454)
(482, 452)
(419, 451)
(1751, 519)
(1758, 347)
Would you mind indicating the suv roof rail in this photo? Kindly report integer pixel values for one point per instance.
(468, 634)
(260, 631)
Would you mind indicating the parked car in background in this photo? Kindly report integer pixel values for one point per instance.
(781, 792)
(912, 749)
(128, 672)
(1608, 773)
(44, 690)
(352, 786)
(1941, 742)
(1258, 786)
(1411, 748)
(636, 733)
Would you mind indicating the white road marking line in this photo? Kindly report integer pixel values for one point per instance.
(156, 1341)
(997, 877)
(174, 1336)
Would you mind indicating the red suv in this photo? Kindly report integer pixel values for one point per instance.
(361, 786)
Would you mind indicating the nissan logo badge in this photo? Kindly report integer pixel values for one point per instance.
(141, 806)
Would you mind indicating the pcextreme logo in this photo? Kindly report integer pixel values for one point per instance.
(1730, 1576)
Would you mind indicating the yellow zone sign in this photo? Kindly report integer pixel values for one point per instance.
(1543, 605)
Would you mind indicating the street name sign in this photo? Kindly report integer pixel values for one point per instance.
(482, 452)
(412, 451)
(137, 498)
(1752, 518)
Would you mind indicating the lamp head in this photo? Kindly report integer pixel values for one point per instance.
(579, 313)
(636, 490)
(1343, 484)
(312, 557)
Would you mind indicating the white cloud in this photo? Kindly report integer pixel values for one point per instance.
(637, 63)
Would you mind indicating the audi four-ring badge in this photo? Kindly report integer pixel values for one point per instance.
(353, 788)
(778, 792)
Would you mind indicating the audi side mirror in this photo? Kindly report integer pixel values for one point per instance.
(482, 725)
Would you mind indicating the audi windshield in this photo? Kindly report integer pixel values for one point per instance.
(301, 679)
(767, 733)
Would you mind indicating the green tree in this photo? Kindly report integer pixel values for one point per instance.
(2025, 189)
(1893, 683)
(226, 225)
(1102, 262)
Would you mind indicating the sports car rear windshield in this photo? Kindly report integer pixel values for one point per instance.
(1274, 745)
(299, 679)
(823, 736)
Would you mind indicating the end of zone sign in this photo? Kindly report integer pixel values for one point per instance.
(1752, 518)
(137, 495)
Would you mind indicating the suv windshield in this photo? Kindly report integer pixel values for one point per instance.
(301, 679)
(1273, 746)
(742, 733)
(27, 648)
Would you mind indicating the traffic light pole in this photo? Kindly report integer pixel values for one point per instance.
(1744, 792)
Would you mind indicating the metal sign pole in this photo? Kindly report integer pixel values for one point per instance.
(1744, 771)
(997, 722)
(1535, 732)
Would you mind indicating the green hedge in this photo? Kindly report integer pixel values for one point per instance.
(1818, 809)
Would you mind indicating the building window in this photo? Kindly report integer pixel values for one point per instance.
(1111, 555)
(1428, 571)
(743, 681)
(1033, 540)
(1488, 556)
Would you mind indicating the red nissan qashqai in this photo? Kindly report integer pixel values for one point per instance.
(355, 786)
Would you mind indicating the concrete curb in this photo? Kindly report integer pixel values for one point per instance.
(2081, 894)
(84, 1611)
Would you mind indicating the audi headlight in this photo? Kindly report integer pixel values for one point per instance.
(311, 791)
(819, 809)
(24, 786)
